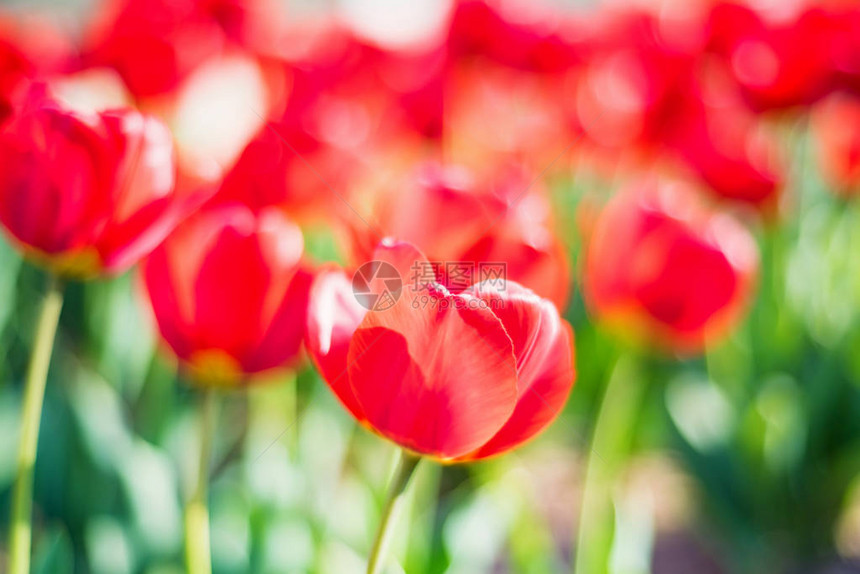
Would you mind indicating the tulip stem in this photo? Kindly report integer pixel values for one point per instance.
(406, 466)
(610, 444)
(20, 535)
(198, 558)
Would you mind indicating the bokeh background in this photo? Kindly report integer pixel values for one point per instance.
(744, 459)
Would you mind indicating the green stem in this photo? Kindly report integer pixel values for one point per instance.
(197, 548)
(34, 393)
(610, 445)
(396, 494)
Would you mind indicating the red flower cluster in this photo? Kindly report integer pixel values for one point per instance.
(691, 85)
(435, 153)
(447, 143)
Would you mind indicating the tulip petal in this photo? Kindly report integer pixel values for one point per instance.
(164, 297)
(333, 316)
(543, 268)
(124, 244)
(230, 291)
(438, 378)
(406, 258)
(286, 329)
(543, 346)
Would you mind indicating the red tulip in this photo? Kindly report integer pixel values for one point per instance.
(836, 131)
(528, 36)
(156, 44)
(479, 127)
(451, 376)
(346, 90)
(779, 59)
(665, 271)
(229, 292)
(725, 145)
(15, 67)
(638, 77)
(87, 193)
(279, 167)
(257, 25)
(28, 48)
(457, 218)
(416, 81)
(332, 118)
(845, 44)
(153, 45)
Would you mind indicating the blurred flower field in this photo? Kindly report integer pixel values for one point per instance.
(447, 286)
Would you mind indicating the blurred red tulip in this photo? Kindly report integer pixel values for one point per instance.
(28, 48)
(346, 99)
(781, 57)
(836, 131)
(229, 292)
(15, 67)
(156, 44)
(272, 170)
(87, 193)
(529, 36)
(457, 217)
(455, 377)
(727, 147)
(479, 127)
(638, 76)
(153, 45)
(257, 25)
(667, 272)
(416, 81)
(345, 90)
(845, 44)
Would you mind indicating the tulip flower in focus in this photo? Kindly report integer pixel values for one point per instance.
(451, 376)
(456, 215)
(229, 292)
(836, 129)
(87, 194)
(665, 271)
